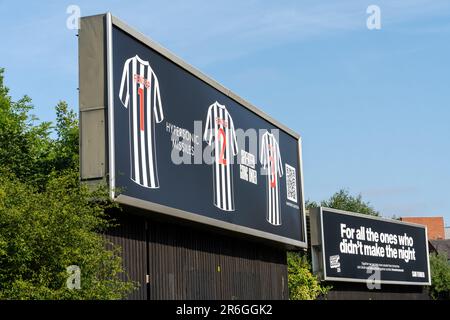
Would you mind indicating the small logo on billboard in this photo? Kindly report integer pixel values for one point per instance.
(418, 274)
(335, 263)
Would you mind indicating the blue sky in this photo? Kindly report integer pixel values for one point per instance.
(372, 106)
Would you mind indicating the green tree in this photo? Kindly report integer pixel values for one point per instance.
(66, 153)
(303, 285)
(27, 147)
(343, 200)
(23, 142)
(42, 233)
(440, 276)
(48, 220)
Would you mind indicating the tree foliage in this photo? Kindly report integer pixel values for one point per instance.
(48, 220)
(440, 276)
(303, 285)
(42, 233)
(343, 200)
(27, 148)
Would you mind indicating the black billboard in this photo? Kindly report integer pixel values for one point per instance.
(181, 144)
(362, 248)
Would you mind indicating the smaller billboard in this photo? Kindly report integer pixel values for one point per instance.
(354, 247)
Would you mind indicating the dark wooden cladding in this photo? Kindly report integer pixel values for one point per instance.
(130, 235)
(184, 262)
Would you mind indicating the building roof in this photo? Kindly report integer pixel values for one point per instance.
(442, 246)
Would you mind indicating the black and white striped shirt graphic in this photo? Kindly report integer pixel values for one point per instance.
(219, 133)
(139, 92)
(271, 161)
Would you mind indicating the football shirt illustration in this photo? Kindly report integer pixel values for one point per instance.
(271, 161)
(139, 93)
(219, 132)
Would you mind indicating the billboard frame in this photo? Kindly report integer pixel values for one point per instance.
(323, 270)
(186, 215)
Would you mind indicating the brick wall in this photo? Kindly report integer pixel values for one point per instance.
(435, 226)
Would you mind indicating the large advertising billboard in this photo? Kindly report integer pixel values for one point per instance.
(183, 145)
(362, 248)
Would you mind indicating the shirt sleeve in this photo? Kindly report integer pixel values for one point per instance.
(124, 93)
(263, 157)
(280, 163)
(235, 147)
(207, 135)
(157, 105)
